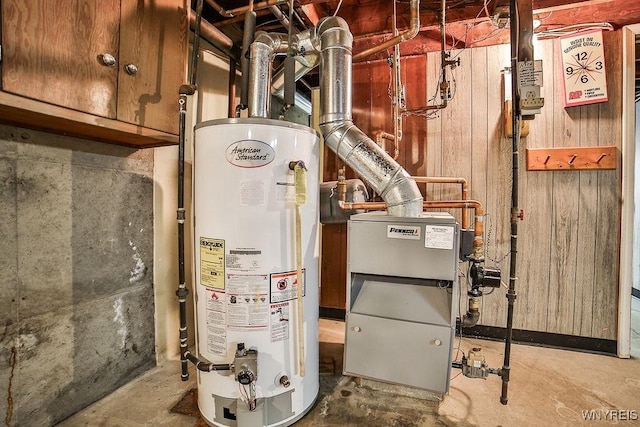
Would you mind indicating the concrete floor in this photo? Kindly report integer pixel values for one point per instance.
(548, 387)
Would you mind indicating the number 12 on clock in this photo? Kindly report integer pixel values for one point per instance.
(583, 70)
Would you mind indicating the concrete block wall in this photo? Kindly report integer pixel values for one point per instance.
(76, 273)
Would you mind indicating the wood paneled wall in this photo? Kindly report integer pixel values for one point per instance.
(568, 243)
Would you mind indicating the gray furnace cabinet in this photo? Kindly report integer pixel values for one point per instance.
(402, 289)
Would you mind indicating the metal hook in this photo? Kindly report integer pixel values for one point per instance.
(602, 156)
(573, 159)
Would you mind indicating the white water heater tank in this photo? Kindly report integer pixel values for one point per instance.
(246, 270)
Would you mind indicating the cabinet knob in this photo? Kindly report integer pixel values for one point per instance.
(131, 69)
(356, 329)
(107, 59)
(437, 342)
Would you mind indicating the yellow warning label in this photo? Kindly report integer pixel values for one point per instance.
(212, 263)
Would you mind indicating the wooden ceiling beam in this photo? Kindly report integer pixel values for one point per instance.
(545, 6)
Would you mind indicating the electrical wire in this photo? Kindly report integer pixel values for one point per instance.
(337, 8)
(488, 241)
(264, 24)
(486, 9)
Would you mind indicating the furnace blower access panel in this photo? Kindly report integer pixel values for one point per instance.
(402, 286)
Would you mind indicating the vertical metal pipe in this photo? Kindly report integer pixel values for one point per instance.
(247, 39)
(182, 291)
(286, 23)
(289, 81)
(231, 90)
(263, 48)
(515, 128)
(396, 81)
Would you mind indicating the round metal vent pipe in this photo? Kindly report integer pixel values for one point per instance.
(333, 40)
(387, 178)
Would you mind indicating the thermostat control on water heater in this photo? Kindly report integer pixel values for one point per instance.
(246, 365)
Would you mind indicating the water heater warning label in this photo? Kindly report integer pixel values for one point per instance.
(284, 286)
(247, 302)
(212, 263)
(216, 321)
(252, 193)
(279, 322)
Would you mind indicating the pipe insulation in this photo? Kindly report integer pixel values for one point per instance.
(216, 37)
(247, 40)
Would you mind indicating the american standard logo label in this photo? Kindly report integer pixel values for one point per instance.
(403, 232)
(250, 153)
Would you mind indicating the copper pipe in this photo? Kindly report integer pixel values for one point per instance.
(231, 90)
(216, 37)
(478, 224)
(382, 135)
(450, 180)
(240, 18)
(410, 33)
(240, 10)
(444, 62)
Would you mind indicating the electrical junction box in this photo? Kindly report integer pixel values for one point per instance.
(402, 294)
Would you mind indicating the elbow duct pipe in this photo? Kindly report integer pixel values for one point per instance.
(263, 49)
(387, 178)
(307, 59)
(334, 41)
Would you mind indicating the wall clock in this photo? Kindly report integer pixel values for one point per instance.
(583, 74)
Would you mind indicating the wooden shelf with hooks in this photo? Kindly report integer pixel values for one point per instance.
(572, 158)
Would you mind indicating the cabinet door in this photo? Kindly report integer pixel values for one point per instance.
(408, 353)
(52, 52)
(154, 40)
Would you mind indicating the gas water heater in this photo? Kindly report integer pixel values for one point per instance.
(247, 273)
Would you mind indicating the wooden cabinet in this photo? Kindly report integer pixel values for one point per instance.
(109, 69)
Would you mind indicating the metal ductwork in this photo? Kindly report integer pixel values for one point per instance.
(263, 49)
(387, 178)
(333, 40)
